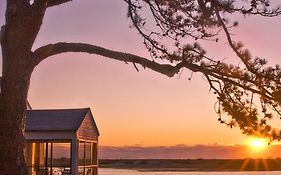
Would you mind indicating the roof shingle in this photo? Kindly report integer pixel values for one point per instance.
(55, 119)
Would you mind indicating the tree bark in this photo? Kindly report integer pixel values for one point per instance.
(14, 87)
(12, 122)
(23, 23)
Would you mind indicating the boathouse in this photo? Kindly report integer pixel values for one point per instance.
(61, 142)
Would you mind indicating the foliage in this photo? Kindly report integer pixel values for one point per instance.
(248, 94)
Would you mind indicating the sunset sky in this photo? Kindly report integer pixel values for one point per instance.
(135, 108)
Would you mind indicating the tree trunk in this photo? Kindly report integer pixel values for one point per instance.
(12, 122)
(14, 88)
(13, 97)
(23, 23)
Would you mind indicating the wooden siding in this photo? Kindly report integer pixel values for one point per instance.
(88, 129)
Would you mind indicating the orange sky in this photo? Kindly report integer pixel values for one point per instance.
(130, 107)
(214, 151)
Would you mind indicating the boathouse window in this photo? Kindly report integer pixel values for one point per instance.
(48, 158)
(87, 158)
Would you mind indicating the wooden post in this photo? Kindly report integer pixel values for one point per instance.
(74, 157)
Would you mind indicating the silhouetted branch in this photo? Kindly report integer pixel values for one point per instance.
(51, 3)
(181, 23)
(166, 69)
(136, 67)
(230, 42)
(58, 48)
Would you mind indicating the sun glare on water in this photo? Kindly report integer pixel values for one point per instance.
(258, 144)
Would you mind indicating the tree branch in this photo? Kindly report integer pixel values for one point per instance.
(53, 49)
(229, 40)
(167, 69)
(51, 3)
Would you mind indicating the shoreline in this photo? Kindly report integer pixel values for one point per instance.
(193, 165)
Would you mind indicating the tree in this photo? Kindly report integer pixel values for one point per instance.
(234, 86)
(237, 86)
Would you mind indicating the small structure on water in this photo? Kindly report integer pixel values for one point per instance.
(61, 142)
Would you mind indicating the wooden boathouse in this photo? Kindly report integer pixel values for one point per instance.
(61, 142)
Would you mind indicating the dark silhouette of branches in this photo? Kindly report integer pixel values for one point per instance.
(248, 94)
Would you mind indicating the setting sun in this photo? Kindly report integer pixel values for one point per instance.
(258, 144)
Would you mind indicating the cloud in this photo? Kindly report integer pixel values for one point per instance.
(187, 152)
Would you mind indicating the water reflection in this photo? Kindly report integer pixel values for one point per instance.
(109, 171)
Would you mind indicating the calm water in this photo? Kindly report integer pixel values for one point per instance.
(108, 171)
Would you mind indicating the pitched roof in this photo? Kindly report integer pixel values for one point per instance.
(55, 119)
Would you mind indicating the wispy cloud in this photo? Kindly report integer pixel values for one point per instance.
(188, 152)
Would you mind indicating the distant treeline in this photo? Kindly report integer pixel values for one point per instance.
(193, 164)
